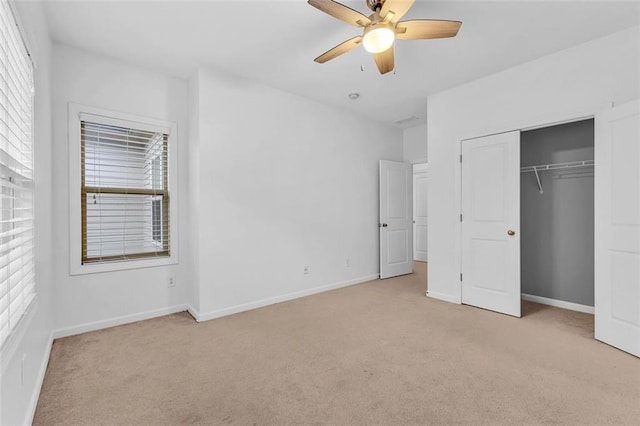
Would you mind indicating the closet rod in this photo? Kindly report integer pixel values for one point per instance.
(557, 166)
(573, 175)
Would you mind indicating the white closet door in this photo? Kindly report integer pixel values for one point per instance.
(617, 220)
(491, 223)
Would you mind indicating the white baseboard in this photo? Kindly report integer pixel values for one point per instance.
(33, 403)
(126, 319)
(112, 322)
(446, 297)
(194, 313)
(558, 303)
(277, 299)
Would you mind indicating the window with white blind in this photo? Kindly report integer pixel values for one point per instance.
(125, 198)
(17, 285)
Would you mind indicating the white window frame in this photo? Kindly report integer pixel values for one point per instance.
(78, 113)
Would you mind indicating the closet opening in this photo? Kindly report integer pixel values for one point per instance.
(557, 216)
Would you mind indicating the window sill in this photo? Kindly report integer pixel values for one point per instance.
(94, 268)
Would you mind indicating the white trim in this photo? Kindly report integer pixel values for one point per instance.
(200, 317)
(33, 403)
(421, 160)
(194, 313)
(544, 120)
(443, 296)
(121, 320)
(126, 319)
(558, 303)
(420, 167)
(113, 118)
(76, 112)
(94, 268)
(564, 120)
(9, 347)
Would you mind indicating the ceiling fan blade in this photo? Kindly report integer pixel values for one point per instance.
(397, 7)
(385, 60)
(426, 28)
(340, 49)
(341, 12)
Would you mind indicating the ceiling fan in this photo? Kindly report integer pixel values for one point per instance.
(382, 28)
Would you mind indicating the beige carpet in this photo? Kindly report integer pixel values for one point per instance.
(376, 353)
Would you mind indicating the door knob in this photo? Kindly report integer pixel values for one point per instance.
(384, 225)
(511, 233)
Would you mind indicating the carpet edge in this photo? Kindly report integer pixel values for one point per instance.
(115, 321)
(206, 316)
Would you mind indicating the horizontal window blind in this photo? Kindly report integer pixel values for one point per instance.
(125, 197)
(17, 284)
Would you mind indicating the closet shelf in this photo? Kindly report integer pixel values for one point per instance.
(557, 166)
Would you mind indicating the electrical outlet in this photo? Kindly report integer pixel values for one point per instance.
(171, 281)
(306, 269)
(347, 263)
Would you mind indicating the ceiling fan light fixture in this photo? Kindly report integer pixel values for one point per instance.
(378, 38)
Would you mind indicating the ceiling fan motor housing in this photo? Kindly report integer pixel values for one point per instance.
(375, 5)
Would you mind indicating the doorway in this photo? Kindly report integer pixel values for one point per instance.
(396, 208)
(420, 218)
(557, 215)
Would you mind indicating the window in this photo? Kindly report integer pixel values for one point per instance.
(17, 285)
(124, 193)
(122, 183)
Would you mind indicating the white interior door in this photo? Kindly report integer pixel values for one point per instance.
(491, 223)
(396, 230)
(617, 223)
(420, 229)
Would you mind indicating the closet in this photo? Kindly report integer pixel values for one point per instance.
(527, 218)
(557, 215)
(552, 215)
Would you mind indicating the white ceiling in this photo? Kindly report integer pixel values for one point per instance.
(275, 42)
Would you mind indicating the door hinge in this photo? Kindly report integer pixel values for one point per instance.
(460, 276)
(460, 217)
(461, 158)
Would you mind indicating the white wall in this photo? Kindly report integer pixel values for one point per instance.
(32, 338)
(95, 300)
(573, 83)
(414, 142)
(284, 182)
(193, 260)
